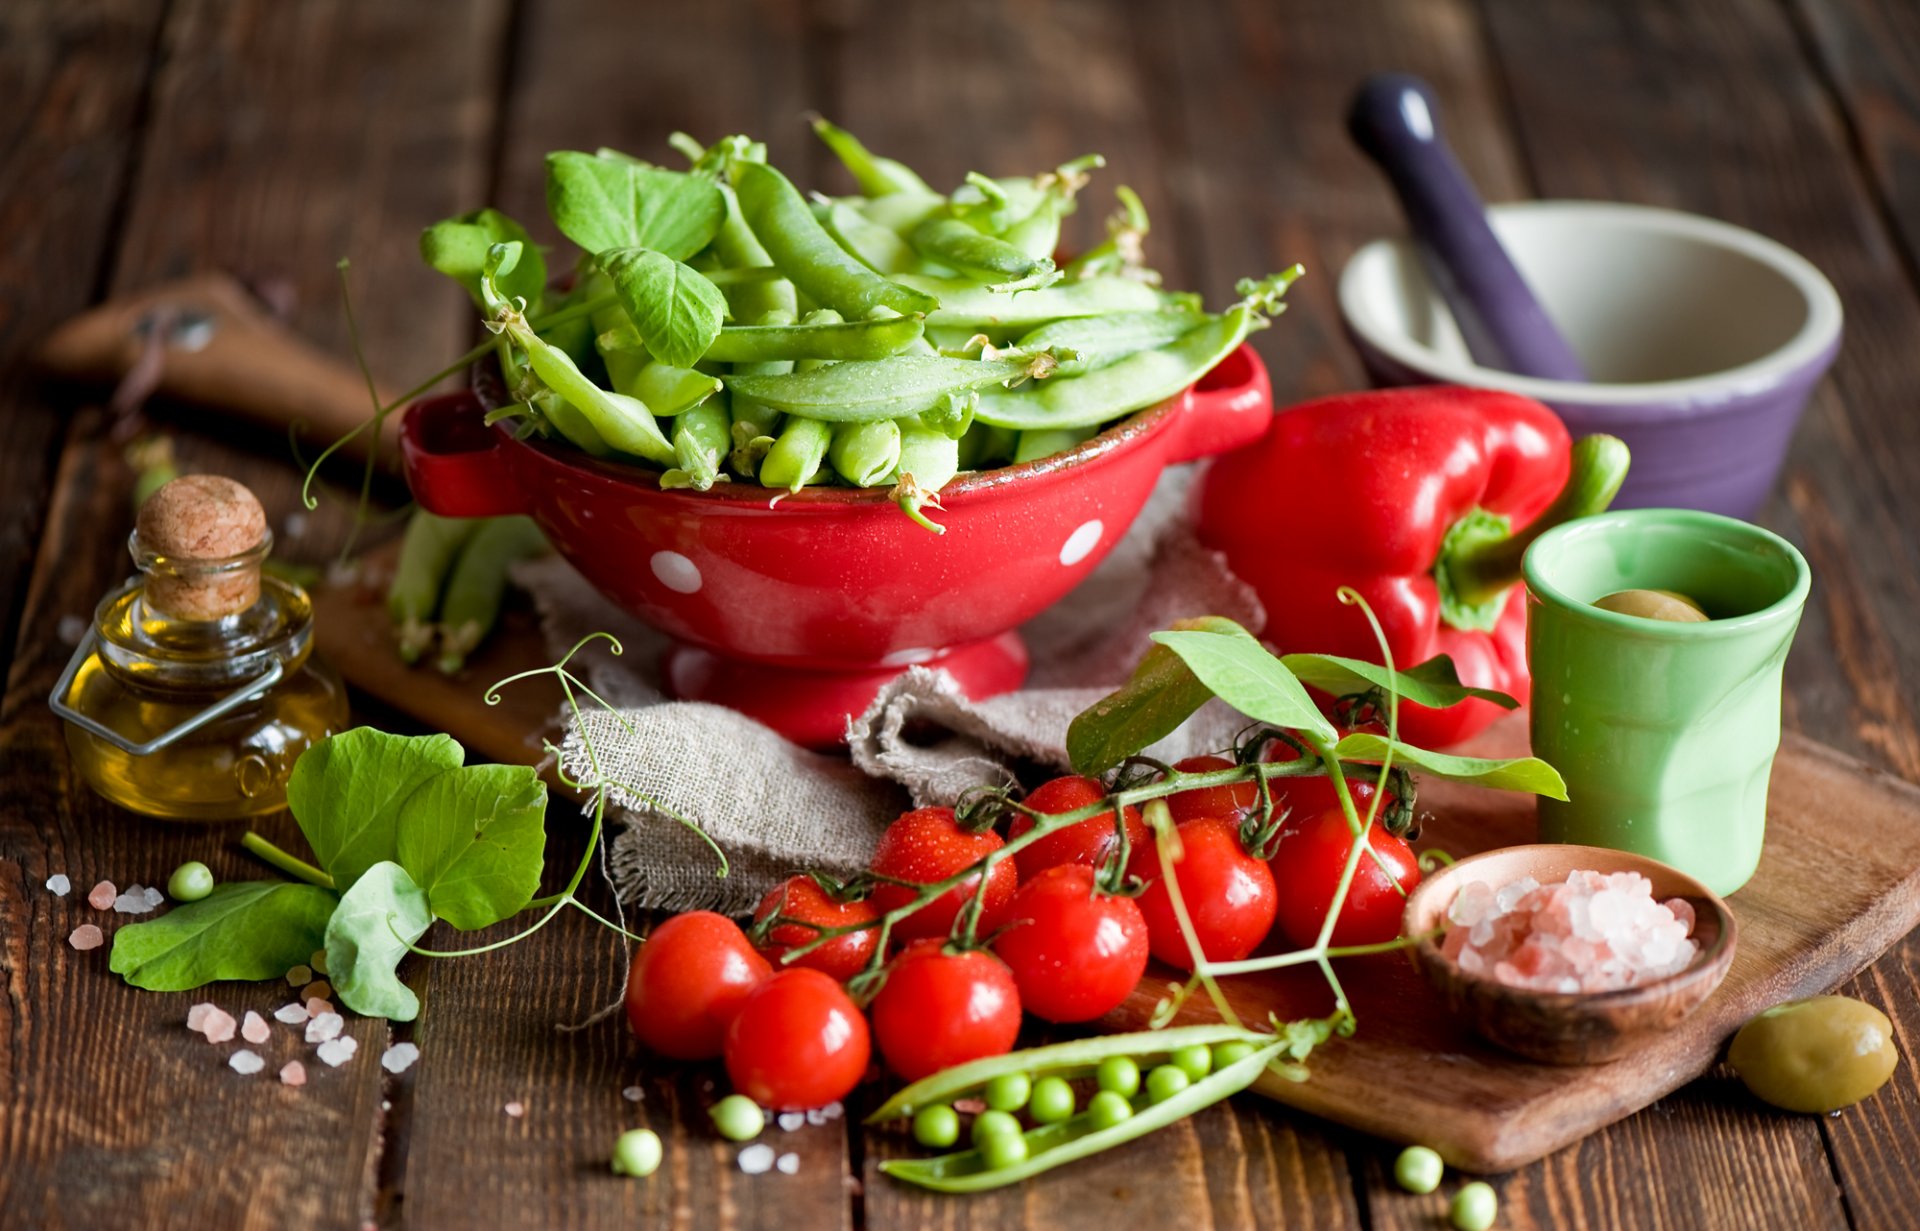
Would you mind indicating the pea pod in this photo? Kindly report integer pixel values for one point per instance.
(986, 258)
(896, 388)
(479, 582)
(880, 248)
(1038, 234)
(559, 416)
(985, 445)
(1051, 1145)
(974, 307)
(817, 265)
(737, 249)
(666, 389)
(1045, 442)
(877, 176)
(869, 339)
(795, 455)
(1101, 340)
(901, 211)
(865, 454)
(702, 436)
(928, 460)
(427, 555)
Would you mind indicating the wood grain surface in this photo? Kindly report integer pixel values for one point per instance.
(147, 140)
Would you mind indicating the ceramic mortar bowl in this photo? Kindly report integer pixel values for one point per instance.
(1570, 1027)
(797, 611)
(1703, 340)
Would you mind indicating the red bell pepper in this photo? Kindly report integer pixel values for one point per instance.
(1411, 497)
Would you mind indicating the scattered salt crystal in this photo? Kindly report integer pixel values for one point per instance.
(516, 1109)
(298, 976)
(218, 1025)
(386, 1104)
(969, 1106)
(59, 884)
(101, 896)
(399, 1058)
(293, 1073)
(197, 1017)
(254, 1028)
(756, 1159)
(833, 1111)
(244, 1061)
(789, 1120)
(154, 896)
(86, 936)
(71, 628)
(318, 961)
(1588, 933)
(788, 1164)
(324, 1027)
(291, 1014)
(633, 1094)
(317, 1007)
(336, 1052)
(134, 902)
(816, 1116)
(316, 990)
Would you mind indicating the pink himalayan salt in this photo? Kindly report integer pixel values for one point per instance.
(254, 1028)
(87, 936)
(197, 1017)
(316, 1007)
(101, 896)
(293, 1073)
(1589, 933)
(218, 1025)
(515, 1109)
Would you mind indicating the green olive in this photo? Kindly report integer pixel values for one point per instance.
(1653, 605)
(1815, 1055)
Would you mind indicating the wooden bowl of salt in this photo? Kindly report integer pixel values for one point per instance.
(1545, 951)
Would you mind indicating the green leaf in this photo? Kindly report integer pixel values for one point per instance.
(1161, 694)
(347, 791)
(616, 202)
(1242, 673)
(1434, 683)
(457, 247)
(1529, 774)
(675, 309)
(242, 930)
(363, 950)
(474, 841)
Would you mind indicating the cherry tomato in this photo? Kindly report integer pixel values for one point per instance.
(801, 897)
(797, 1042)
(928, 845)
(1307, 867)
(1232, 802)
(939, 1009)
(1307, 797)
(1088, 843)
(1229, 894)
(687, 982)
(1074, 953)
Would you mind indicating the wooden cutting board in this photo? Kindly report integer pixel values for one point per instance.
(1839, 883)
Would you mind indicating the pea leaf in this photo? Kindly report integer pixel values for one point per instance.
(617, 202)
(347, 792)
(242, 930)
(1529, 774)
(457, 247)
(474, 841)
(675, 309)
(1242, 673)
(1162, 693)
(363, 951)
(1434, 683)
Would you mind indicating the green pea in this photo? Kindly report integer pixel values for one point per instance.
(637, 1152)
(1473, 1208)
(738, 1118)
(1052, 1100)
(1166, 1081)
(1230, 1053)
(190, 882)
(1195, 1061)
(936, 1127)
(1004, 1150)
(1120, 1075)
(1418, 1169)
(990, 1124)
(1108, 1108)
(1009, 1092)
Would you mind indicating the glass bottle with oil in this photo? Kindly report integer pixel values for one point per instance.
(197, 688)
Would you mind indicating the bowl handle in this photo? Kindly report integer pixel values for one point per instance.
(454, 462)
(1229, 407)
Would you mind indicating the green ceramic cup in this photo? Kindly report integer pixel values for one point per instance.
(1665, 732)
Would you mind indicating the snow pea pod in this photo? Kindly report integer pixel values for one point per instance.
(701, 438)
(427, 555)
(1101, 340)
(479, 582)
(985, 445)
(1045, 442)
(985, 258)
(1082, 1135)
(900, 212)
(928, 460)
(864, 390)
(880, 248)
(869, 339)
(973, 306)
(818, 267)
(865, 454)
(795, 456)
(625, 423)
(877, 176)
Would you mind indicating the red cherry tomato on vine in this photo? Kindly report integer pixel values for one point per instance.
(928, 845)
(1228, 893)
(1232, 802)
(688, 980)
(1307, 866)
(801, 897)
(1307, 797)
(1075, 953)
(1088, 842)
(797, 1042)
(939, 1009)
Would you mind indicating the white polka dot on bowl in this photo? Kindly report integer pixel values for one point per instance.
(677, 573)
(1081, 542)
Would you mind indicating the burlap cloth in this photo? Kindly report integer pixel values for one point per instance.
(775, 808)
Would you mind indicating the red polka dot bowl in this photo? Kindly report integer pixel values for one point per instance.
(797, 611)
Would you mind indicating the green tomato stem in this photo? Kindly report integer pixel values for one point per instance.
(292, 865)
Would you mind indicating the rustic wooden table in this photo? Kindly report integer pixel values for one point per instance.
(143, 140)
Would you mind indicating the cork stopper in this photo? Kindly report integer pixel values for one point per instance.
(200, 540)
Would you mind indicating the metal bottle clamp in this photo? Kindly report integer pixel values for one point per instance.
(57, 700)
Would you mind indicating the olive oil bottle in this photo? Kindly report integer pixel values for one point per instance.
(197, 689)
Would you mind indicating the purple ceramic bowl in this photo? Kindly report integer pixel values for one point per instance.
(1704, 340)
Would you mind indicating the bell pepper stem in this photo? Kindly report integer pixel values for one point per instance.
(1486, 569)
